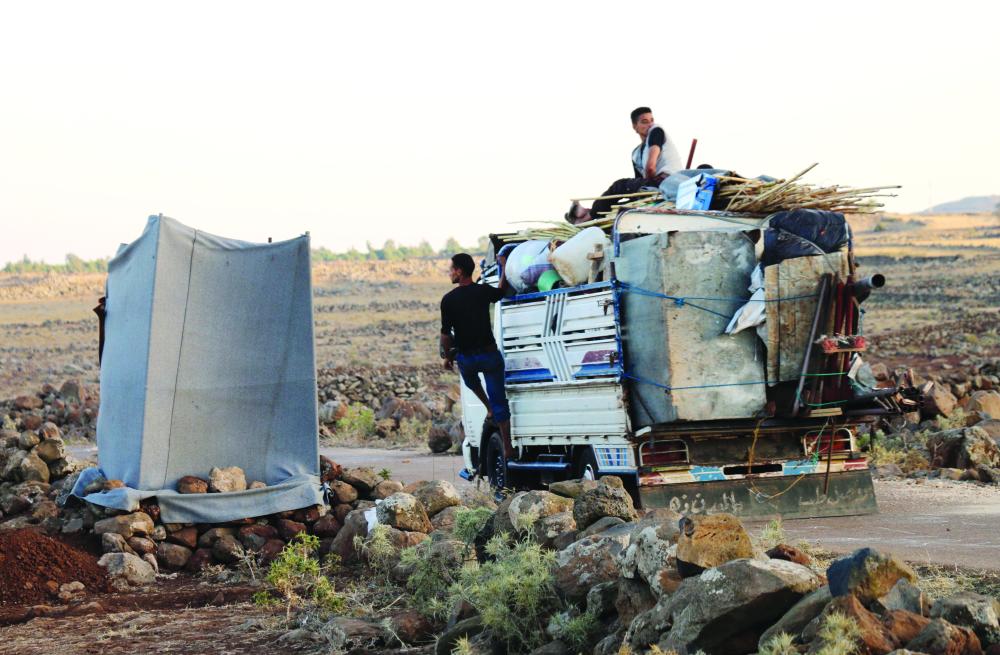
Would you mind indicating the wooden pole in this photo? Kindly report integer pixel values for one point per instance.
(694, 144)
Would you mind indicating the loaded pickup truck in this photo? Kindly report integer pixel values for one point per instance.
(634, 374)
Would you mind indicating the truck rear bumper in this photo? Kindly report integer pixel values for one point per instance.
(847, 493)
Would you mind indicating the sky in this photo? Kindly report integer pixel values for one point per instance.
(363, 122)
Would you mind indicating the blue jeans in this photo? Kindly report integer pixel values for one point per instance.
(491, 365)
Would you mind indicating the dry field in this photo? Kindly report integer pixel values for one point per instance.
(940, 302)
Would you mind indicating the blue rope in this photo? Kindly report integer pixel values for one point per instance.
(700, 386)
(681, 300)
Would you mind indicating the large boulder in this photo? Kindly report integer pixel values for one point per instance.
(963, 448)
(708, 541)
(972, 610)
(943, 638)
(12, 458)
(227, 479)
(938, 401)
(799, 615)
(650, 553)
(904, 595)
(33, 467)
(904, 626)
(355, 525)
(987, 402)
(868, 574)
(126, 569)
(343, 493)
(724, 608)
(572, 488)
(590, 561)
(873, 636)
(552, 527)
(608, 498)
(526, 508)
(404, 512)
(386, 488)
(137, 524)
(434, 495)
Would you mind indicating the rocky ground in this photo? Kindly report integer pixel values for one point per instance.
(576, 568)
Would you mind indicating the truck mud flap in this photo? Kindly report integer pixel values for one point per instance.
(850, 493)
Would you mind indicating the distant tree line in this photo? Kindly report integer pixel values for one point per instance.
(74, 264)
(391, 251)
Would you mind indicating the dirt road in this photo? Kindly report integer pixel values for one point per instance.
(938, 522)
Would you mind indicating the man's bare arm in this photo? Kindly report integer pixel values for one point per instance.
(445, 349)
(654, 156)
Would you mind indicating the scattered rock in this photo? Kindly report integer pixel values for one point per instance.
(287, 528)
(438, 439)
(799, 615)
(227, 479)
(650, 552)
(874, 637)
(722, 608)
(550, 528)
(526, 508)
(386, 488)
(589, 562)
(227, 549)
(127, 525)
(209, 537)
(904, 626)
(608, 498)
(789, 554)
(126, 569)
(708, 541)
(364, 479)
(943, 638)
(343, 493)
(199, 560)
(112, 542)
(938, 401)
(51, 450)
(867, 573)
(971, 610)
(404, 512)
(257, 484)
(140, 545)
(987, 402)
(28, 440)
(32, 467)
(904, 595)
(434, 495)
(190, 484)
(173, 556)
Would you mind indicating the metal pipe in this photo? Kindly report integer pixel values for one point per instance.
(863, 288)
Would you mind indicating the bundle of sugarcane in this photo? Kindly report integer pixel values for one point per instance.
(556, 230)
(760, 197)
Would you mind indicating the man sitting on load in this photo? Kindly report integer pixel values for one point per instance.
(652, 160)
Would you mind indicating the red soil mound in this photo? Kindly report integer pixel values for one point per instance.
(32, 566)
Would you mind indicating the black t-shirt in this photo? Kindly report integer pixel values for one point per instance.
(656, 137)
(466, 310)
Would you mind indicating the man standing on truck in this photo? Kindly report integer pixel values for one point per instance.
(652, 160)
(467, 333)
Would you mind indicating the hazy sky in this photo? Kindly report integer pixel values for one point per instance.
(423, 120)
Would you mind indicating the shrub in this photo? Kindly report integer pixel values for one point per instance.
(577, 632)
(780, 644)
(358, 421)
(377, 549)
(469, 522)
(772, 534)
(513, 592)
(838, 635)
(433, 570)
(300, 579)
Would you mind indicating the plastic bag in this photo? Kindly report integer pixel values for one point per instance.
(526, 263)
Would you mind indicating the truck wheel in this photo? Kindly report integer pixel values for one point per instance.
(585, 464)
(496, 463)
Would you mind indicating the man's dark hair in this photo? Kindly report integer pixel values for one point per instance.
(639, 111)
(463, 262)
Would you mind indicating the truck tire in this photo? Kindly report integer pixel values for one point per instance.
(585, 464)
(496, 463)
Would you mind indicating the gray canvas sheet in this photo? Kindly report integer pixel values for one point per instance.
(208, 361)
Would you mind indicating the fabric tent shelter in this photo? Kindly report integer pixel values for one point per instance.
(208, 361)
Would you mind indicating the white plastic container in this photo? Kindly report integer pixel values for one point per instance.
(570, 259)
